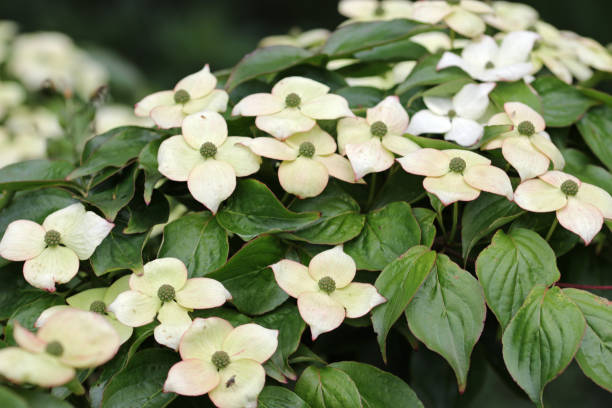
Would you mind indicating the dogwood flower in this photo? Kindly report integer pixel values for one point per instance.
(462, 16)
(69, 339)
(325, 290)
(51, 251)
(370, 143)
(297, 38)
(370, 10)
(309, 159)
(293, 106)
(11, 95)
(527, 147)
(456, 175)
(223, 362)
(163, 290)
(456, 117)
(580, 207)
(508, 16)
(194, 93)
(112, 116)
(206, 158)
(484, 60)
(95, 300)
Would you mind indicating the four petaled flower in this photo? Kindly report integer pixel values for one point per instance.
(527, 147)
(206, 158)
(69, 339)
(308, 160)
(293, 107)
(370, 143)
(581, 207)
(456, 175)
(52, 251)
(194, 93)
(164, 290)
(223, 361)
(325, 290)
(462, 16)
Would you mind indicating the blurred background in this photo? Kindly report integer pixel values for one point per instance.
(166, 40)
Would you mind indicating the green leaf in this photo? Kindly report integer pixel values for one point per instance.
(198, 240)
(119, 251)
(388, 233)
(278, 397)
(595, 353)
(254, 210)
(360, 97)
(562, 104)
(114, 148)
(264, 61)
(447, 314)
(141, 383)
(35, 173)
(114, 194)
(483, 216)
(14, 291)
(517, 91)
(596, 130)
(426, 73)
(144, 216)
(377, 387)
(425, 217)
(286, 319)
(597, 95)
(448, 88)
(10, 399)
(147, 161)
(541, 339)
(399, 186)
(511, 266)
(39, 399)
(27, 313)
(398, 283)
(247, 277)
(398, 51)
(340, 218)
(490, 133)
(327, 387)
(432, 143)
(361, 36)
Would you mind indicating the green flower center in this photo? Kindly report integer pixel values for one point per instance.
(453, 2)
(54, 348)
(489, 65)
(181, 96)
(293, 100)
(220, 360)
(53, 238)
(97, 306)
(166, 293)
(457, 165)
(378, 129)
(208, 150)
(526, 128)
(379, 11)
(569, 187)
(452, 113)
(307, 149)
(327, 284)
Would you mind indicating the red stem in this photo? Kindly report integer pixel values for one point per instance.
(578, 286)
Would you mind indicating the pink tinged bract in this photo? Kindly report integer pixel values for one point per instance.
(22, 240)
(338, 167)
(489, 178)
(304, 177)
(176, 158)
(202, 293)
(391, 112)
(358, 298)
(202, 127)
(426, 162)
(293, 278)
(150, 102)
(192, 377)
(211, 183)
(333, 263)
(285, 123)
(204, 338)
(174, 322)
(258, 104)
(583, 219)
(167, 117)
(241, 158)
(53, 265)
(251, 341)
(328, 106)
(538, 196)
(271, 148)
(198, 84)
(369, 157)
(450, 188)
(352, 131)
(524, 157)
(322, 313)
(596, 196)
(399, 144)
(134, 308)
(240, 384)
(21, 366)
(161, 271)
(28, 340)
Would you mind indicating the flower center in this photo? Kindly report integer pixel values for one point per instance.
(379, 11)
(452, 113)
(526, 128)
(54, 348)
(181, 96)
(457, 165)
(307, 149)
(52, 238)
(489, 65)
(166, 293)
(97, 306)
(453, 2)
(378, 129)
(293, 100)
(220, 360)
(327, 284)
(208, 150)
(569, 187)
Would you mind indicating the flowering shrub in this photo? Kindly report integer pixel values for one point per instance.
(383, 184)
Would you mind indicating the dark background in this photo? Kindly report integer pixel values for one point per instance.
(169, 39)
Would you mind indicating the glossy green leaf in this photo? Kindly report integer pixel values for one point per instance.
(388, 233)
(35, 173)
(517, 91)
(254, 210)
(432, 143)
(10, 399)
(278, 397)
(562, 104)
(595, 353)
(447, 314)
(398, 283)
(327, 387)
(511, 267)
(541, 339)
(114, 194)
(425, 218)
(399, 186)
(426, 73)
(38, 399)
(143, 216)
(360, 97)
(398, 51)
(247, 277)
(119, 251)
(198, 240)
(596, 130)
(264, 61)
(147, 161)
(378, 388)
(448, 88)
